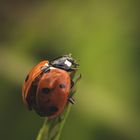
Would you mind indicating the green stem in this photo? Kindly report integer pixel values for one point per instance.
(51, 129)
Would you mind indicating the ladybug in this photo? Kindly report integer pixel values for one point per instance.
(47, 87)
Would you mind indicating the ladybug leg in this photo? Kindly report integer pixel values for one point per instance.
(72, 73)
(73, 83)
(71, 100)
(73, 90)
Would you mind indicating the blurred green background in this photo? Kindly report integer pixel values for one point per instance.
(102, 35)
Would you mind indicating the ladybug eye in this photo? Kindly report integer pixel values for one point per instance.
(62, 86)
(27, 77)
(46, 90)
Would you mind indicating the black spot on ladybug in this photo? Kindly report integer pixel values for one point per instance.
(31, 95)
(27, 77)
(45, 90)
(52, 110)
(47, 101)
(62, 86)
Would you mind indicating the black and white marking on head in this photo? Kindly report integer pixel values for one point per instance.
(64, 62)
(68, 63)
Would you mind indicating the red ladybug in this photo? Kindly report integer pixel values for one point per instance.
(47, 87)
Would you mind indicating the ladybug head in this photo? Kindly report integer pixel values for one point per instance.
(65, 62)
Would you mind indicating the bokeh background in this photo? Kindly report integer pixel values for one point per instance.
(102, 35)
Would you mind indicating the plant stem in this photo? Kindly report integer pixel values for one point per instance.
(51, 129)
